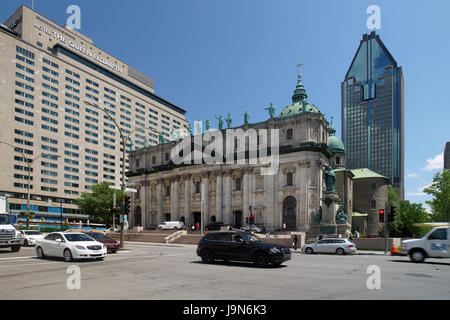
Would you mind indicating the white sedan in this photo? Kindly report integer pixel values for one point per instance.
(29, 237)
(331, 245)
(70, 246)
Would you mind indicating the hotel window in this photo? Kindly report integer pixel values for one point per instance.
(21, 76)
(26, 69)
(76, 75)
(95, 84)
(25, 52)
(28, 61)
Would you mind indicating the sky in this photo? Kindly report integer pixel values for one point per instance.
(214, 57)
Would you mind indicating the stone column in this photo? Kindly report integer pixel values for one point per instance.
(187, 200)
(228, 217)
(160, 201)
(205, 194)
(148, 204)
(174, 198)
(219, 213)
(245, 193)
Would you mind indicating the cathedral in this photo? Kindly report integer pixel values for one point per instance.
(232, 182)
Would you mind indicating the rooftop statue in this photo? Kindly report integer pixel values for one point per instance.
(207, 124)
(131, 145)
(229, 120)
(246, 117)
(341, 216)
(220, 118)
(189, 129)
(271, 110)
(330, 179)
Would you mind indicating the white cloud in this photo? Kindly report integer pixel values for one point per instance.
(425, 186)
(413, 175)
(415, 194)
(435, 163)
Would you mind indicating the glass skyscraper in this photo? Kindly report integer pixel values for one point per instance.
(373, 112)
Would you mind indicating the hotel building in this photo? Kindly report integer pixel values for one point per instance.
(53, 82)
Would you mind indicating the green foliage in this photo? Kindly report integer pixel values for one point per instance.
(406, 215)
(98, 202)
(440, 190)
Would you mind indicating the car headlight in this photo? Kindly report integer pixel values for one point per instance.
(275, 250)
(80, 247)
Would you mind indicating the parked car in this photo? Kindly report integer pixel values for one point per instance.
(175, 225)
(240, 246)
(254, 229)
(435, 244)
(29, 237)
(215, 225)
(111, 244)
(70, 246)
(330, 245)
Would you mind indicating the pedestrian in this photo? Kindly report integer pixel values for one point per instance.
(230, 228)
(350, 236)
(294, 242)
(198, 226)
(268, 235)
(320, 237)
(356, 234)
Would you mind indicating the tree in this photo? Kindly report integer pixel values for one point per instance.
(440, 190)
(98, 203)
(409, 214)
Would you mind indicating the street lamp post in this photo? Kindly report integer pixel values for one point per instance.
(124, 139)
(29, 165)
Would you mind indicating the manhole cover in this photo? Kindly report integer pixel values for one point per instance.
(420, 275)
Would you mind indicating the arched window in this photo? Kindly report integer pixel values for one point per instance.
(289, 178)
(198, 187)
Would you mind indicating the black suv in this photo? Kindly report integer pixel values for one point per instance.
(240, 246)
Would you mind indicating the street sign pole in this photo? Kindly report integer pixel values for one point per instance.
(386, 219)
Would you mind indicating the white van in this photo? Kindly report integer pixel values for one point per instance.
(435, 244)
(175, 225)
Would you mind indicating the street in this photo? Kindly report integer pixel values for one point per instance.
(169, 272)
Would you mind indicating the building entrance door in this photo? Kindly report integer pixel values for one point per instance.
(237, 218)
(289, 213)
(138, 217)
(197, 218)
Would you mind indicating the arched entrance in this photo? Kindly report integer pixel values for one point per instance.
(289, 213)
(138, 217)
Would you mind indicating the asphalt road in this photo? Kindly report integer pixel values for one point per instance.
(150, 271)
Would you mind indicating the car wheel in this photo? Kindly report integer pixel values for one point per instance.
(261, 259)
(15, 248)
(207, 256)
(40, 253)
(175, 228)
(68, 255)
(417, 256)
(340, 251)
(309, 251)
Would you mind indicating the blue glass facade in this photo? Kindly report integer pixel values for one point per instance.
(372, 111)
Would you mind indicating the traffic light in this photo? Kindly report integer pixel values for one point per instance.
(391, 216)
(381, 215)
(252, 219)
(127, 205)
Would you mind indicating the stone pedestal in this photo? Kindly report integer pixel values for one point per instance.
(327, 226)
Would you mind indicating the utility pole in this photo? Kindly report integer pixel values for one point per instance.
(386, 245)
(124, 140)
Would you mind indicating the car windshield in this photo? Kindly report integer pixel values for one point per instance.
(77, 237)
(4, 219)
(33, 233)
(251, 237)
(97, 236)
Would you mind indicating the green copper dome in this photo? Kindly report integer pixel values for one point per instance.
(299, 102)
(334, 142)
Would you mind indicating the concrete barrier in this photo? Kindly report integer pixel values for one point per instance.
(376, 243)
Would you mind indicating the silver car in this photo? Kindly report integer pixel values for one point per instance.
(330, 245)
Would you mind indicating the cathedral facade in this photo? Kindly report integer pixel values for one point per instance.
(230, 191)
